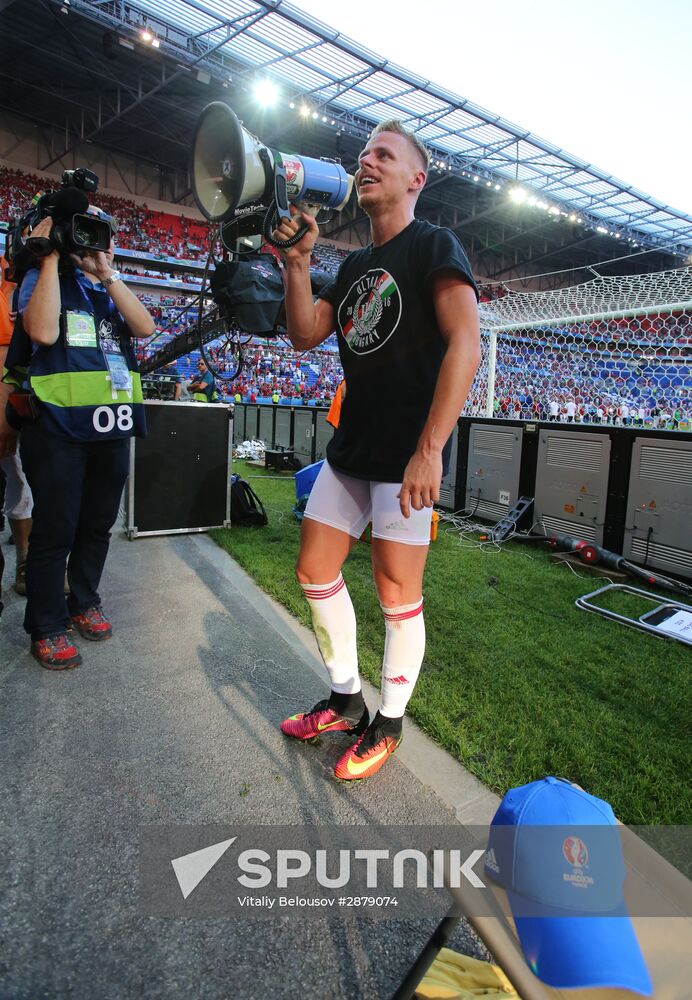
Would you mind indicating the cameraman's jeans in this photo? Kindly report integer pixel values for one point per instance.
(77, 488)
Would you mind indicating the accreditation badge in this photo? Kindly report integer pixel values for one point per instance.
(120, 376)
(80, 329)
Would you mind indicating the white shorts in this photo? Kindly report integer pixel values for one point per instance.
(349, 504)
(19, 502)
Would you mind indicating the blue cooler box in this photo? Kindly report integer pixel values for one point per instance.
(305, 479)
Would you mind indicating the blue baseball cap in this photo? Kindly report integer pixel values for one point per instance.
(556, 851)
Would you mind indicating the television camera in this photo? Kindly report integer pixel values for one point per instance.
(75, 228)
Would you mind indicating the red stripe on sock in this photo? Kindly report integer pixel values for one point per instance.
(320, 595)
(405, 614)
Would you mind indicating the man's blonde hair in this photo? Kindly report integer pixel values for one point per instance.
(395, 125)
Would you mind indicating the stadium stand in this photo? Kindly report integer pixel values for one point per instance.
(593, 374)
(328, 257)
(139, 228)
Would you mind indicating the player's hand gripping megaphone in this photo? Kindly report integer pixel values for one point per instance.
(231, 168)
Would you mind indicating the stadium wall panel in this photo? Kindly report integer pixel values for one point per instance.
(624, 487)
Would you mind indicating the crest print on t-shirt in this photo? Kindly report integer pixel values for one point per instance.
(370, 311)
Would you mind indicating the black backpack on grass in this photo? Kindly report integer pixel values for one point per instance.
(246, 506)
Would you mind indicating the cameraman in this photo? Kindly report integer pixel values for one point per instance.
(85, 402)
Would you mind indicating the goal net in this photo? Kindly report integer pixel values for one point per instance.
(613, 350)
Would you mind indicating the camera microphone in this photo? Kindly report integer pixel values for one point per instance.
(67, 202)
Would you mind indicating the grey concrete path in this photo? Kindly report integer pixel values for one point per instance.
(174, 721)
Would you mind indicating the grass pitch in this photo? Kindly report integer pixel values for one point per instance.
(517, 682)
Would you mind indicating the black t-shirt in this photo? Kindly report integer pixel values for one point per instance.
(390, 347)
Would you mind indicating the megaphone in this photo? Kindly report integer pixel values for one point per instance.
(232, 169)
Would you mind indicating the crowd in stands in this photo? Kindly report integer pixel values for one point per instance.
(172, 315)
(572, 382)
(327, 257)
(544, 385)
(17, 188)
(140, 228)
(275, 374)
(586, 383)
(282, 371)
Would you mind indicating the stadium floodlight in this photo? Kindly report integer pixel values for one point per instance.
(304, 110)
(146, 35)
(519, 195)
(155, 43)
(266, 93)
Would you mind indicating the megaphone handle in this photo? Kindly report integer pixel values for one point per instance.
(280, 188)
(282, 209)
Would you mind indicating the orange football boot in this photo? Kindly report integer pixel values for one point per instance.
(368, 755)
(320, 720)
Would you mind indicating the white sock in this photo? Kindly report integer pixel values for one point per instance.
(334, 622)
(404, 647)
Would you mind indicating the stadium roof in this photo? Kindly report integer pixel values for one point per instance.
(340, 74)
(213, 44)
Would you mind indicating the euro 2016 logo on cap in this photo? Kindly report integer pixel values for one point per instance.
(575, 852)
